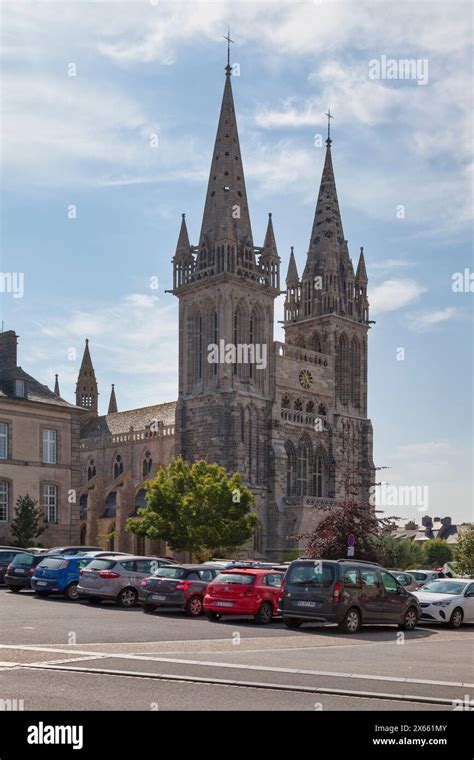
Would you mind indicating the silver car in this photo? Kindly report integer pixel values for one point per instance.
(117, 578)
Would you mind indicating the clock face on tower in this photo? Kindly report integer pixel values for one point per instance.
(306, 379)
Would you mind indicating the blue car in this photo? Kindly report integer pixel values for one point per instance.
(59, 574)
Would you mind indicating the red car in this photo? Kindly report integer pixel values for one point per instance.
(246, 591)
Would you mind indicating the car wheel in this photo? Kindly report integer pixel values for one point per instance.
(410, 620)
(265, 614)
(148, 608)
(71, 592)
(292, 622)
(14, 589)
(127, 597)
(456, 618)
(213, 616)
(194, 607)
(352, 621)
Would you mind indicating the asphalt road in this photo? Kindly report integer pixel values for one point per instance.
(56, 654)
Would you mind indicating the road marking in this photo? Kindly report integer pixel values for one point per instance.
(238, 666)
(251, 684)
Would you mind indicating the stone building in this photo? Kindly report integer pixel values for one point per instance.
(39, 450)
(291, 417)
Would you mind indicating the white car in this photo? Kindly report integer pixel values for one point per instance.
(447, 600)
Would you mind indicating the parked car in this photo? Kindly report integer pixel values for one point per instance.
(347, 592)
(405, 579)
(58, 574)
(117, 578)
(248, 591)
(6, 557)
(426, 576)
(109, 554)
(72, 550)
(180, 587)
(447, 600)
(20, 570)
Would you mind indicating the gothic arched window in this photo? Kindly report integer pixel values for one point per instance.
(355, 373)
(146, 464)
(118, 466)
(290, 469)
(319, 472)
(303, 461)
(342, 369)
(91, 470)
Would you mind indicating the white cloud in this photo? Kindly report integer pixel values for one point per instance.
(422, 321)
(133, 343)
(394, 294)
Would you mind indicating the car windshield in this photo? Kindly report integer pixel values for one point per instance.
(307, 574)
(445, 587)
(25, 560)
(238, 579)
(101, 564)
(51, 562)
(419, 576)
(170, 572)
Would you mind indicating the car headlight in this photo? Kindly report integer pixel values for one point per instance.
(444, 603)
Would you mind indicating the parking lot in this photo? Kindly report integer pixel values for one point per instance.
(56, 654)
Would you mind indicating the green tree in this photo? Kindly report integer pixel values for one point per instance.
(397, 553)
(464, 553)
(28, 522)
(435, 553)
(196, 508)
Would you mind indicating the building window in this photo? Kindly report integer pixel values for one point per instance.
(147, 463)
(302, 468)
(3, 501)
(91, 470)
(50, 447)
(118, 466)
(50, 503)
(3, 440)
(318, 476)
(290, 469)
(20, 388)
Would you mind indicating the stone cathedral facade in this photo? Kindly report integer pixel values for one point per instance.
(294, 424)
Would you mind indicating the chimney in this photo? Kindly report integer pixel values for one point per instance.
(8, 358)
(427, 521)
(446, 521)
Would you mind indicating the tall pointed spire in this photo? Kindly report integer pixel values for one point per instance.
(112, 402)
(327, 229)
(56, 386)
(361, 273)
(183, 245)
(86, 387)
(292, 279)
(226, 208)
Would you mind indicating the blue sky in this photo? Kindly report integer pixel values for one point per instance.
(146, 68)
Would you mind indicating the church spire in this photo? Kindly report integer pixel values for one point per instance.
(112, 402)
(327, 232)
(86, 387)
(292, 279)
(226, 208)
(361, 273)
(56, 386)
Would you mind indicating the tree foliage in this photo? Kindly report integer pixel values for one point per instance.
(464, 553)
(435, 553)
(196, 508)
(28, 522)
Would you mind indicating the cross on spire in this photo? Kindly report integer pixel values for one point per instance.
(227, 37)
(328, 114)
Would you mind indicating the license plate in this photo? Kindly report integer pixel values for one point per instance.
(224, 604)
(158, 598)
(41, 583)
(20, 572)
(306, 604)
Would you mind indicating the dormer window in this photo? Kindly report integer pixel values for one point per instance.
(20, 388)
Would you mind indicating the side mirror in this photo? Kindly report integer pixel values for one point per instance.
(400, 590)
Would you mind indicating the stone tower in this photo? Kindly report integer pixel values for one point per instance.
(87, 394)
(226, 288)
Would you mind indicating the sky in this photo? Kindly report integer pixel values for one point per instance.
(109, 117)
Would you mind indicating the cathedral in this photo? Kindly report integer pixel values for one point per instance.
(290, 417)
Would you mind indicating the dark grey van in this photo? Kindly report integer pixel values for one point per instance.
(349, 593)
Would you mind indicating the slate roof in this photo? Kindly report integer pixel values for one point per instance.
(121, 422)
(35, 390)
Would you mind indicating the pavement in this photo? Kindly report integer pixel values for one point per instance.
(59, 655)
